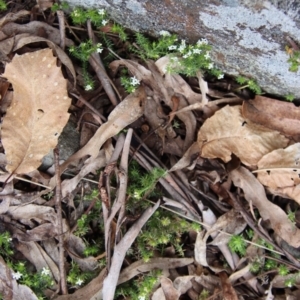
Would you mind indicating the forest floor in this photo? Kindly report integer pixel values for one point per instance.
(168, 179)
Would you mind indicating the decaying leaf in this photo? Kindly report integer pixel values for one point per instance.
(276, 115)
(280, 168)
(38, 112)
(129, 110)
(228, 132)
(280, 171)
(255, 192)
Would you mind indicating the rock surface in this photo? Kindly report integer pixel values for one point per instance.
(248, 36)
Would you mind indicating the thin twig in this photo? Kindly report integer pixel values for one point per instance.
(61, 21)
(63, 282)
(98, 66)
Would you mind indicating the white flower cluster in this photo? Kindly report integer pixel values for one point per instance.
(88, 87)
(79, 281)
(76, 13)
(17, 275)
(164, 33)
(101, 12)
(99, 49)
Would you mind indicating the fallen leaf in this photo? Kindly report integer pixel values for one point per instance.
(38, 112)
(227, 133)
(129, 110)
(280, 168)
(228, 290)
(35, 29)
(274, 114)
(169, 291)
(255, 192)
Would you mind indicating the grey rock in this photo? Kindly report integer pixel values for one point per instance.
(248, 36)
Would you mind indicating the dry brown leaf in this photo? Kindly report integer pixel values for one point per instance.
(255, 192)
(129, 110)
(35, 29)
(227, 133)
(169, 291)
(23, 39)
(280, 168)
(276, 115)
(38, 112)
(228, 290)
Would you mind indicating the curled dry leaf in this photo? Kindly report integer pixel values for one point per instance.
(280, 171)
(228, 132)
(276, 115)
(255, 192)
(129, 110)
(35, 28)
(38, 112)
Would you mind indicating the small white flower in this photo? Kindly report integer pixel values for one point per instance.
(104, 22)
(99, 50)
(173, 47)
(136, 195)
(164, 33)
(79, 281)
(202, 42)
(206, 55)
(76, 13)
(142, 298)
(88, 87)
(220, 76)
(210, 66)
(45, 271)
(134, 81)
(197, 51)
(173, 59)
(101, 12)
(181, 48)
(17, 275)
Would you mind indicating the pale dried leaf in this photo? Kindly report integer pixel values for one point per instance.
(23, 39)
(91, 165)
(227, 133)
(280, 168)
(129, 110)
(11, 17)
(111, 281)
(169, 291)
(38, 112)
(255, 192)
(186, 159)
(184, 283)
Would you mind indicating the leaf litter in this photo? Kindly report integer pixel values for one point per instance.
(229, 164)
